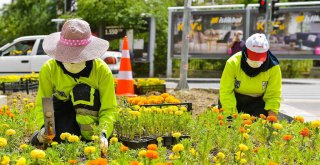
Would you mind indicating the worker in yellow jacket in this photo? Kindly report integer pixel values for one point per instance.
(251, 81)
(80, 83)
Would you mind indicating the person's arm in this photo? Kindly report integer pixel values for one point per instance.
(272, 96)
(108, 110)
(227, 97)
(45, 89)
(230, 43)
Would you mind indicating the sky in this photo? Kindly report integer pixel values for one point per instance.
(4, 2)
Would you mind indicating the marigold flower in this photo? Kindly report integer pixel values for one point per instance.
(245, 116)
(235, 115)
(178, 113)
(183, 109)
(73, 138)
(177, 148)
(21, 161)
(220, 122)
(263, 122)
(220, 117)
(287, 137)
(272, 118)
(262, 116)
(193, 152)
(221, 155)
(99, 161)
(54, 143)
(215, 160)
(246, 136)
(24, 146)
(174, 156)
(135, 163)
(242, 130)
(215, 110)
(37, 154)
(305, 132)
(113, 140)
(255, 150)
(123, 148)
(274, 133)
(64, 136)
(247, 122)
(165, 95)
(10, 132)
(5, 160)
(94, 137)
(253, 118)
(299, 119)
(152, 154)
(238, 155)
(243, 161)
(152, 147)
(243, 147)
(315, 124)
(142, 153)
(3, 142)
(89, 150)
(277, 126)
(272, 163)
(72, 161)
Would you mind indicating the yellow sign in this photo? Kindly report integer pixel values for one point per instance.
(214, 20)
(194, 26)
(299, 19)
(260, 25)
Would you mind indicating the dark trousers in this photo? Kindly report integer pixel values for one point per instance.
(250, 105)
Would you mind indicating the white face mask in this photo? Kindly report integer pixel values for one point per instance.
(254, 64)
(74, 67)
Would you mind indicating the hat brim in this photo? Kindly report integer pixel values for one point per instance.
(254, 56)
(74, 54)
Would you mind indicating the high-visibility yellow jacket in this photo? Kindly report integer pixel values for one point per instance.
(267, 84)
(53, 81)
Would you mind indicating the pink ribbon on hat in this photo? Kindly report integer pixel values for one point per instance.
(74, 42)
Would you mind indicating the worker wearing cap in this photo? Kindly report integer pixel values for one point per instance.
(80, 83)
(251, 81)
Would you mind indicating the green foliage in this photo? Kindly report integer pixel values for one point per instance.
(295, 68)
(26, 17)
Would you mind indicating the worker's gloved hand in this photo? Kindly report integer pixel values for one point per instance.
(103, 141)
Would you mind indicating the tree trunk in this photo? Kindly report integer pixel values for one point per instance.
(183, 84)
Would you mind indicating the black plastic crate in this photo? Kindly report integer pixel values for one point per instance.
(142, 90)
(20, 86)
(188, 105)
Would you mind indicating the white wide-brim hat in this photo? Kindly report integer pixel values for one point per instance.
(74, 43)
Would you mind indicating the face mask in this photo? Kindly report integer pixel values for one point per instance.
(74, 67)
(254, 64)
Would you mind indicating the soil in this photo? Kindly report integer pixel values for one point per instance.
(200, 98)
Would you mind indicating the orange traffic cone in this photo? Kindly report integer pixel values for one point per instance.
(125, 85)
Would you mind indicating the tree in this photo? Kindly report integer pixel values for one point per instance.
(25, 17)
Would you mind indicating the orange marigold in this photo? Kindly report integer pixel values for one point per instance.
(220, 117)
(235, 115)
(123, 148)
(134, 163)
(272, 163)
(153, 147)
(215, 110)
(99, 161)
(247, 122)
(255, 150)
(152, 154)
(242, 130)
(253, 118)
(299, 119)
(262, 116)
(272, 118)
(287, 137)
(305, 132)
(220, 122)
(73, 161)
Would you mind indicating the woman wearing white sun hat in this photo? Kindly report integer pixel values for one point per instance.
(251, 81)
(80, 83)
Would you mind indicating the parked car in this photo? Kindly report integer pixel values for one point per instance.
(25, 55)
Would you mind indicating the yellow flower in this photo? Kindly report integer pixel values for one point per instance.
(243, 147)
(315, 124)
(113, 140)
(221, 155)
(183, 109)
(21, 161)
(245, 116)
(24, 146)
(37, 154)
(215, 159)
(94, 137)
(243, 161)
(174, 156)
(177, 148)
(238, 155)
(248, 130)
(277, 126)
(142, 153)
(246, 136)
(73, 138)
(176, 134)
(89, 150)
(25, 100)
(178, 113)
(65, 135)
(3, 142)
(10, 132)
(274, 133)
(31, 105)
(5, 160)
(54, 143)
(263, 122)
(193, 152)
(5, 125)
(15, 100)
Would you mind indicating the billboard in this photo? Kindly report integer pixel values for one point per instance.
(297, 33)
(210, 32)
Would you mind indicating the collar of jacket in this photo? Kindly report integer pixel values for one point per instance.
(252, 72)
(84, 73)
